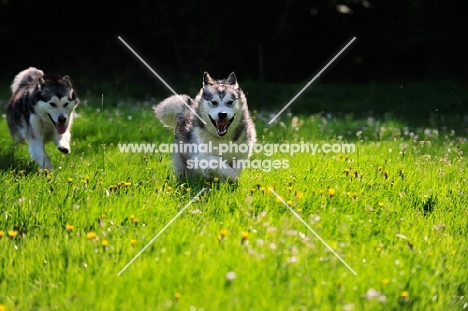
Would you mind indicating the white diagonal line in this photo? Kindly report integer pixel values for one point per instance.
(162, 80)
(316, 76)
(160, 232)
(312, 230)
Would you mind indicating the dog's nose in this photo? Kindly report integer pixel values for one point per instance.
(222, 115)
(62, 119)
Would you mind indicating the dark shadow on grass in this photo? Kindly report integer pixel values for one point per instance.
(9, 162)
(198, 183)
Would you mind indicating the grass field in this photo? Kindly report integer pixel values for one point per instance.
(395, 211)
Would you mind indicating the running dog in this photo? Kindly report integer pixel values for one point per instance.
(41, 110)
(218, 117)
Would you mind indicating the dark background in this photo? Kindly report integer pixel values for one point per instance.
(262, 41)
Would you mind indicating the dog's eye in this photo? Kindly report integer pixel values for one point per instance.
(53, 105)
(65, 105)
(229, 103)
(214, 103)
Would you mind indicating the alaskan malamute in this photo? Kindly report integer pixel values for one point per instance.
(40, 110)
(218, 146)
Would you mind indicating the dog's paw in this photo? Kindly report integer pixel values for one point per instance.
(64, 149)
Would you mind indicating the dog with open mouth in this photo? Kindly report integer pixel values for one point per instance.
(41, 110)
(211, 131)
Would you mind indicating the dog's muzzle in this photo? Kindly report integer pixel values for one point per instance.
(222, 124)
(60, 125)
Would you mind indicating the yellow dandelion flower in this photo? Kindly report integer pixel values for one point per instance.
(347, 171)
(127, 184)
(2, 234)
(290, 203)
(290, 188)
(252, 191)
(69, 227)
(83, 181)
(348, 194)
(91, 235)
(299, 210)
(299, 195)
(386, 173)
(245, 235)
(404, 294)
(48, 177)
(104, 243)
(12, 233)
(355, 195)
(118, 184)
(177, 296)
(223, 232)
(279, 199)
(69, 180)
(270, 188)
(381, 204)
(321, 192)
(453, 252)
(378, 249)
(2, 307)
(331, 192)
(132, 217)
(262, 189)
(385, 281)
(135, 220)
(133, 242)
(169, 188)
(188, 189)
(216, 179)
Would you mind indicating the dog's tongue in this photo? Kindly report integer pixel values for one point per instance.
(61, 128)
(222, 123)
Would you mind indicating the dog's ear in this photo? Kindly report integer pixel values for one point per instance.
(67, 80)
(207, 79)
(73, 96)
(40, 84)
(232, 79)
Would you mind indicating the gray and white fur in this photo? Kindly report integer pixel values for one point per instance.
(41, 110)
(223, 106)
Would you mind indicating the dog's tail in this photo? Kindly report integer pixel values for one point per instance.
(26, 77)
(167, 110)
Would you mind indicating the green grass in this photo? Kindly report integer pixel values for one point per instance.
(398, 218)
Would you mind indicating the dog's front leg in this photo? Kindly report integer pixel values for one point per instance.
(37, 152)
(217, 167)
(63, 141)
